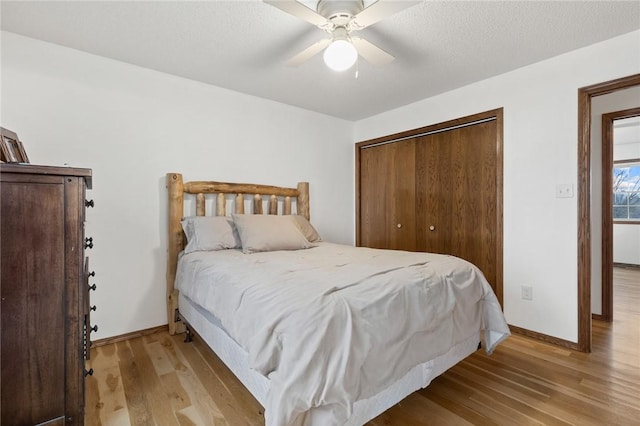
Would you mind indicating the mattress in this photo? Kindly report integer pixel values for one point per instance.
(235, 357)
(335, 324)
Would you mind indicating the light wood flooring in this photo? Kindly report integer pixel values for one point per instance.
(159, 380)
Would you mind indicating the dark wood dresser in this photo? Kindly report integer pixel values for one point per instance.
(44, 286)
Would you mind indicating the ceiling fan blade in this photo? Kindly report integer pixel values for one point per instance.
(308, 53)
(379, 10)
(298, 10)
(370, 52)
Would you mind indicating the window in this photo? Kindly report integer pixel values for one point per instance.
(626, 192)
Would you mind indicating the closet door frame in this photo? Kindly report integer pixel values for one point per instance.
(495, 114)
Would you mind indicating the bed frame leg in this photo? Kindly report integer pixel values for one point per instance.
(188, 337)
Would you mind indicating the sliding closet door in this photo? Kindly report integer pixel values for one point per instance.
(436, 189)
(387, 183)
(456, 192)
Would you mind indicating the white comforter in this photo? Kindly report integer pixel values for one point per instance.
(334, 324)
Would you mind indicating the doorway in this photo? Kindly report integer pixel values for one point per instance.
(585, 96)
(618, 206)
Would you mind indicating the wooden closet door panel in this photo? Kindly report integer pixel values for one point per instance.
(457, 194)
(387, 196)
(434, 186)
(489, 198)
(32, 300)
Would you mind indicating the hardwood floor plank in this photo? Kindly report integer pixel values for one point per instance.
(206, 408)
(519, 381)
(455, 399)
(139, 411)
(567, 389)
(505, 407)
(189, 416)
(110, 402)
(522, 403)
(615, 393)
(178, 397)
(247, 404)
(214, 386)
(415, 410)
(158, 357)
(525, 381)
(156, 396)
(92, 400)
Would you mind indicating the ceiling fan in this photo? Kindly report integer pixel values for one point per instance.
(340, 18)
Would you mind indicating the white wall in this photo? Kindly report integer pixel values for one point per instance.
(611, 102)
(626, 132)
(131, 126)
(540, 151)
(626, 244)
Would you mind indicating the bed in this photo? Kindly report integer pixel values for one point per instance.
(319, 333)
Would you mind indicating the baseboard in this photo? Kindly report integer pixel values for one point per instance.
(544, 337)
(127, 336)
(626, 265)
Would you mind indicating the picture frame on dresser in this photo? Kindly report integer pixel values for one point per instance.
(11, 148)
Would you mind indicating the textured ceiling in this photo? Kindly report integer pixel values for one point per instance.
(243, 44)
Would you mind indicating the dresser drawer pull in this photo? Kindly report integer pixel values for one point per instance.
(88, 203)
(88, 372)
(94, 328)
(93, 308)
(92, 287)
(88, 242)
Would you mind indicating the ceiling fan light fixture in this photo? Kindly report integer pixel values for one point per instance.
(340, 55)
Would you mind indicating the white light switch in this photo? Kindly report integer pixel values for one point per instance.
(564, 190)
(527, 292)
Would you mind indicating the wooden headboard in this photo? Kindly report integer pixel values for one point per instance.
(222, 191)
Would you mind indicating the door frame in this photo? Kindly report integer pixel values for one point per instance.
(496, 114)
(607, 214)
(584, 199)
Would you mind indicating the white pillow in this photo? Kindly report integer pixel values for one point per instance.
(269, 233)
(307, 229)
(206, 233)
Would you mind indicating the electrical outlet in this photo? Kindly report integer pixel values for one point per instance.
(527, 292)
(564, 190)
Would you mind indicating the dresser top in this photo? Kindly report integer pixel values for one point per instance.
(47, 170)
